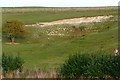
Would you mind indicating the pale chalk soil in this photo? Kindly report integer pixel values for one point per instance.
(73, 21)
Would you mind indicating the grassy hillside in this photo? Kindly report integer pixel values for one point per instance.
(44, 51)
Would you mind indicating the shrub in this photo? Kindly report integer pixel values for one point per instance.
(10, 63)
(91, 65)
(112, 66)
(75, 66)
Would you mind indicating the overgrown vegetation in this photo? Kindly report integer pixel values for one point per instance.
(91, 65)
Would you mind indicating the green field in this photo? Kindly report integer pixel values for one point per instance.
(45, 52)
(47, 16)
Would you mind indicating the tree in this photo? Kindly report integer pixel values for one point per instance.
(13, 29)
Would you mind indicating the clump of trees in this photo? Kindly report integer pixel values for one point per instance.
(13, 29)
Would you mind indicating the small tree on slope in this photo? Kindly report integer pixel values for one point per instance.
(13, 29)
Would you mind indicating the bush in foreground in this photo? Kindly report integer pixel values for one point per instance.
(96, 65)
(10, 63)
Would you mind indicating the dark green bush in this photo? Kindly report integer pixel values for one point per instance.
(95, 65)
(75, 66)
(10, 63)
(112, 66)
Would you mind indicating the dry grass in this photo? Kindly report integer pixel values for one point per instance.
(32, 74)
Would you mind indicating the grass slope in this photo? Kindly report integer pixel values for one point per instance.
(47, 53)
(39, 51)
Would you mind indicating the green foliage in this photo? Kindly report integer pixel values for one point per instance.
(75, 66)
(112, 66)
(10, 63)
(99, 64)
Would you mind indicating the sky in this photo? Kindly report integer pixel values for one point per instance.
(58, 3)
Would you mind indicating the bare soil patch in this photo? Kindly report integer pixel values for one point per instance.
(73, 21)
